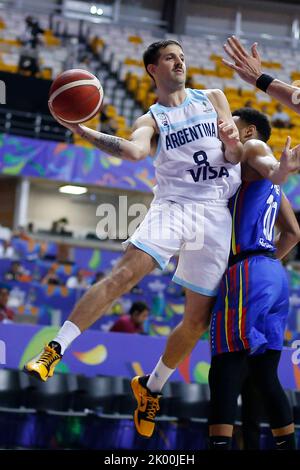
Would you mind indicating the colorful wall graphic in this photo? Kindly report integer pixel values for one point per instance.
(68, 162)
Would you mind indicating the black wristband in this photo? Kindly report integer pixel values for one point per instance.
(264, 81)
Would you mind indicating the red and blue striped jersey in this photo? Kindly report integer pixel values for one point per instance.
(254, 209)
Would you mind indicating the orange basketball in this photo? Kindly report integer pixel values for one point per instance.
(76, 96)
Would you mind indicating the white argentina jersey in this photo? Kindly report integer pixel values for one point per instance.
(189, 161)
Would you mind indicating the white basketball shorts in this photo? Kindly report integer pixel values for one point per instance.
(199, 233)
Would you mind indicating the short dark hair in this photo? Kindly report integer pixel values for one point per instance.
(152, 53)
(138, 307)
(257, 119)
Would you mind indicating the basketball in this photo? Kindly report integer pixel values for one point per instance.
(76, 96)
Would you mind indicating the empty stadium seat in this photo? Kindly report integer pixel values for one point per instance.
(10, 388)
(53, 395)
(189, 400)
(100, 394)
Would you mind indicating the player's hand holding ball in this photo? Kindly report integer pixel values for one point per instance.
(75, 97)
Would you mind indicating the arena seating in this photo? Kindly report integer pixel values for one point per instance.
(121, 49)
(71, 411)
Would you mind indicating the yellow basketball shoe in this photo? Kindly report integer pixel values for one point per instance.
(43, 365)
(148, 406)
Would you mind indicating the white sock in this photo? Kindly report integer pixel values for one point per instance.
(159, 377)
(66, 335)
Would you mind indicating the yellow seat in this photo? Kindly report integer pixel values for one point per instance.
(123, 132)
(194, 70)
(132, 82)
(10, 42)
(133, 61)
(199, 86)
(121, 121)
(141, 94)
(223, 71)
(216, 57)
(208, 72)
(8, 68)
(110, 111)
(271, 65)
(150, 99)
(46, 73)
(295, 75)
(135, 39)
(52, 41)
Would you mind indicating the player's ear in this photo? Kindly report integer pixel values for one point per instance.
(250, 131)
(151, 68)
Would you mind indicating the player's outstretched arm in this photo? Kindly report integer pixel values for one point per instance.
(228, 132)
(289, 229)
(259, 156)
(248, 67)
(135, 149)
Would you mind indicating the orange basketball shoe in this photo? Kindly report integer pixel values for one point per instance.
(148, 406)
(43, 365)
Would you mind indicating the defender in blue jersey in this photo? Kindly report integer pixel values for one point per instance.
(249, 317)
(252, 304)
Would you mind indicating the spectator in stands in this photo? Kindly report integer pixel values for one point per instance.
(29, 60)
(6, 314)
(280, 119)
(32, 33)
(54, 228)
(30, 227)
(58, 227)
(16, 272)
(78, 282)
(134, 321)
(52, 277)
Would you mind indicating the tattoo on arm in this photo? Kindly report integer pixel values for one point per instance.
(108, 143)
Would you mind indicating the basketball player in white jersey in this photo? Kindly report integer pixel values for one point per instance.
(196, 149)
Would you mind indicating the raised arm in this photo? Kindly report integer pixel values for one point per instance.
(228, 132)
(287, 223)
(248, 67)
(135, 149)
(259, 157)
